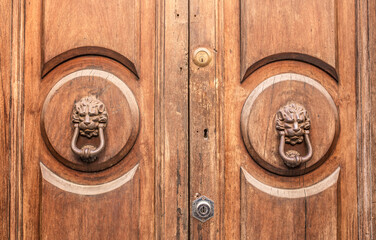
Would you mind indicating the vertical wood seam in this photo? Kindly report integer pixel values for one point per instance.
(16, 118)
(364, 112)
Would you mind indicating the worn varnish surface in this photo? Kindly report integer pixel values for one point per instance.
(271, 95)
(115, 25)
(90, 23)
(8, 73)
(93, 212)
(304, 213)
(303, 28)
(68, 88)
(366, 80)
(343, 92)
(189, 141)
(206, 174)
(171, 119)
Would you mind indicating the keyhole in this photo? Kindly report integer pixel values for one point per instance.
(206, 135)
(202, 57)
(203, 210)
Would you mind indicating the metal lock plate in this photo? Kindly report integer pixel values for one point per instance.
(203, 209)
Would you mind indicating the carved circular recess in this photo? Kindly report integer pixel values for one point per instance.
(87, 108)
(289, 124)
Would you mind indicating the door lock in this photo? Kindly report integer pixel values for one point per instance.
(202, 57)
(203, 208)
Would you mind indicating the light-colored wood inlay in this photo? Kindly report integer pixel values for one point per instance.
(294, 193)
(71, 187)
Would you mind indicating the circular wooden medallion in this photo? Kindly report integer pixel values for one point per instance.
(259, 128)
(122, 118)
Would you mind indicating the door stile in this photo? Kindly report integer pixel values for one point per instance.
(11, 45)
(205, 94)
(366, 77)
(171, 119)
(15, 110)
(364, 124)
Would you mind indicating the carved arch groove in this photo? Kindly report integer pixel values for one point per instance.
(88, 51)
(301, 57)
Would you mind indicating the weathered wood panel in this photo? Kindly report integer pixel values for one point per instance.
(93, 211)
(301, 30)
(343, 58)
(114, 25)
(277, 213)
(206, 166)
(89, 23)
(366, 116)
(9, 72)
(172, 127)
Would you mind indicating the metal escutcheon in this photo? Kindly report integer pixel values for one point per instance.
(203, 209)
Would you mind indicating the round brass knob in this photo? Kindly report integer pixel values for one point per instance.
(202, 57)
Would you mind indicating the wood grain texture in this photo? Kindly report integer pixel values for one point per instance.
(123, 124)
(343, 92)
(206, 166)
(298, 27)
(304, 213)
(84, 51)
(366, 115)
(291, 56)
(114, 25)
(371, 67)
(100, 216)
(36, 197)
(264, 102)
(86, 190)
(171, 119)
(9, 71)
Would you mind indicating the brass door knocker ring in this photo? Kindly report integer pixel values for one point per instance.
(293, 124)
(89, 119)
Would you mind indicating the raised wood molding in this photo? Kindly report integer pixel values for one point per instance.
(293, 193)
(72, 187)
(366, 116)
(88, 51)
(92, 206)
(125, 127)
(16, 118)
(301, 89)
(295, 57)
(278, 213)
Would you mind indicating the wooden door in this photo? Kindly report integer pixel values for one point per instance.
(88, 137)
(272, 119)
(289, 124)
(120, 117)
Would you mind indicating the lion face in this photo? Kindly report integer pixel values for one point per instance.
(89, 114)
(293, 120)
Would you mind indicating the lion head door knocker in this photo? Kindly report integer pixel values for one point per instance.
(89, 118)
(293, 124)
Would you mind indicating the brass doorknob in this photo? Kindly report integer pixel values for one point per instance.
(202, 57)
